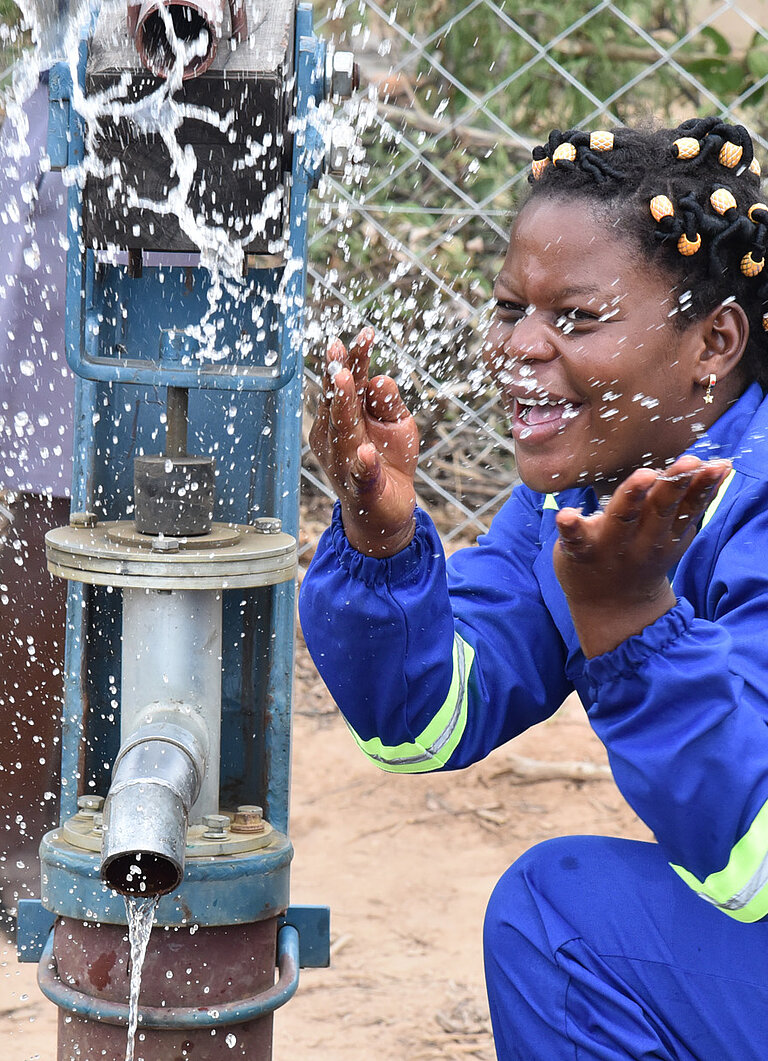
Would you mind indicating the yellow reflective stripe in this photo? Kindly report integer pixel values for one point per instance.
(550, 501)
(435, 745)
(741, 889)
(715, 502)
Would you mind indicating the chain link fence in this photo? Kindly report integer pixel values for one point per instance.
(453, 97)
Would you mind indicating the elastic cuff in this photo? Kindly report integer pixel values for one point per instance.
(626, 659)
(402, 568)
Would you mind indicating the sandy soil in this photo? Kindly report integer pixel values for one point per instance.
(406, 865)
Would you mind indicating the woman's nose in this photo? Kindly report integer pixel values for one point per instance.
(530, 339)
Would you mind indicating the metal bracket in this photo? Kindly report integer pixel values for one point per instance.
(313, 923)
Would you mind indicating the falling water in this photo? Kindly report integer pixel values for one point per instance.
(141, 914)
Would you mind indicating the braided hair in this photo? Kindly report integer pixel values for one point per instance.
(689, 197)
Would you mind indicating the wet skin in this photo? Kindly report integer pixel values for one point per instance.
(581, 328)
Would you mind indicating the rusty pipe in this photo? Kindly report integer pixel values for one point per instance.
(154, 23)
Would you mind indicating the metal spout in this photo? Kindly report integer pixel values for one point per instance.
(195, 24)
(156, 778)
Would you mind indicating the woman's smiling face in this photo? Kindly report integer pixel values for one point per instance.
(594, 374)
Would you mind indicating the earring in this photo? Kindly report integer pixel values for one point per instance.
(708, 396)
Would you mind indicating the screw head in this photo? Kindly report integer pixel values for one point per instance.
(216, 826)
(89, 805)
(248, 819)
(165, 545)
(83, 519)
(268, 525)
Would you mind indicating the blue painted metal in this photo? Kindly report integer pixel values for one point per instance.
(248, 415)
(223, 890)
(312, 923)
(33, 927)
(168, 1018)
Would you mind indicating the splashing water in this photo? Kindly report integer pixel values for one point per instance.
(141, 915)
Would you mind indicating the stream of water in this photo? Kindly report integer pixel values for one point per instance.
(141, 915)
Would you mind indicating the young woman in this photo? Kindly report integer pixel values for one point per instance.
(630, 346)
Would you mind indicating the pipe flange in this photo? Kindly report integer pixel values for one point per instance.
(86, 835)
(234, 556)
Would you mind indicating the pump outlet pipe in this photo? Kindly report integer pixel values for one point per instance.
(156, 779)
(161, 29)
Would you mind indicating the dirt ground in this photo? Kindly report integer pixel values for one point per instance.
(406, 865)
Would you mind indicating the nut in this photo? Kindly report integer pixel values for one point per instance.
(89, 806)
(83, 519)
(248, 819)
(165, 545)
(342, 75)
(341, 149)
(216, 826)
(268, 525)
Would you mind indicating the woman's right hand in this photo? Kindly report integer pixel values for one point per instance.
(368, 444)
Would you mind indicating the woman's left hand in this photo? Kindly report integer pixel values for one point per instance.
(613, 565)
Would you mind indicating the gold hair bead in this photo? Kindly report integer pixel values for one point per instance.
(688, 246)
(765, 322)
(750, 267)
(722, 201)
(661, 207)
(565, 151)
(730, 154)
(601, 140)
(754, 167)
(753, 207)
(687, 147)
(538, 166)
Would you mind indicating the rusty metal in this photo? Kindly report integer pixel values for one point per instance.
(210, 967)
(248, 819)
(189, 19)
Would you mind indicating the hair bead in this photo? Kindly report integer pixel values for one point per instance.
(765, 322)
(601, 140)
(566, 152)
(754, 167)
(687, 247)
(538, 166)
(722, 201)
(730, 154)
(687, 147)
(753, 208)
(750, 267)
(661, 207)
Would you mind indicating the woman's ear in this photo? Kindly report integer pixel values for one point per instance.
(724, 332)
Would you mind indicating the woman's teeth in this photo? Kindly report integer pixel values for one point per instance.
(540, 410)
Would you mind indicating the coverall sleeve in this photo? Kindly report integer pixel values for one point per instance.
(682, 710)
(434, 667)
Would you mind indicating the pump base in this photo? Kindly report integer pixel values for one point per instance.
(209, 966)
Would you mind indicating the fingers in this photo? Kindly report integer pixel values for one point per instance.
(360, 358)
(383, 401)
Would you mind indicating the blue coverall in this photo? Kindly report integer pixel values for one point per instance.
(595, 947)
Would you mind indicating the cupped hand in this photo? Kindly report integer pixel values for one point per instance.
(613, 565)
(367, 443)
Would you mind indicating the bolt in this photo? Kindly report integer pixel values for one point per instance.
(88, 806)
(165, 545)
(98, 823)
(268, 525)
(248, 819)
(216, 826)
(341, 149)
(83, 519)
(342, 75)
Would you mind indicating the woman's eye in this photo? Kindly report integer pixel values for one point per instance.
(509, 310)
(570, 317)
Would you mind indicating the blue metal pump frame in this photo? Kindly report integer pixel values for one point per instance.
(255, 401)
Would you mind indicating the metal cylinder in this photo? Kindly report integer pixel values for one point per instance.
(210, 967)
(174, 496)
(171, 664)
(156, 779)
(197, 26)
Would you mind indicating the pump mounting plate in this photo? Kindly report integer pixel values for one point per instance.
(92, 555)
